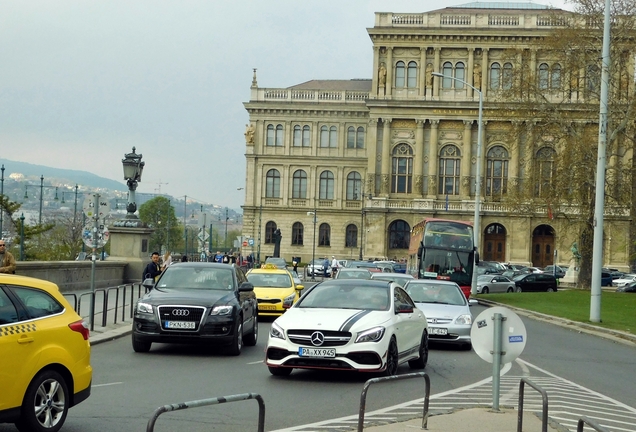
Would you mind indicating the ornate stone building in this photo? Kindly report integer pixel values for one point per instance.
(347, 167)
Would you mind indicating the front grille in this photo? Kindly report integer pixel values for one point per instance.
(447, 337)
(270, 301)
(181, 313)
(439, 321)
(318, 363)
(332, 338)
(277, 353)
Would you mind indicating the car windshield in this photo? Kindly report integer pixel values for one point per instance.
(347, 296)
(354, 274)
(261, 280)
(184, 277)
(436, 293)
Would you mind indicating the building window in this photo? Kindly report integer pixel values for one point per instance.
(399, 235)
(507, 76)
(270, 227)
(402, 170)
(351, 238)
(546, 169)
(272, 184)
(355, 137)
(497, 171)
(297, 234)
(399, 74)
(324, 235)
(306, 136)
(495, 76)
(447, 71)
(328, 136)
(360, 137)
(459, 74)
(593, 79)
(449, 165)
(299, 185)
(354, 186)
(297, 136)
(325, 191)
(543, 76)
(274, 135)
(411, 75)
(555, 78)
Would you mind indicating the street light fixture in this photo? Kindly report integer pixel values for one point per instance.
(133, 167)
(473, 287)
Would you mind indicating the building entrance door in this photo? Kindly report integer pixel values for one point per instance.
(495, 243)
(542, 246)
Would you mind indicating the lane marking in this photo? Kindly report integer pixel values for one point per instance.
(107, 384)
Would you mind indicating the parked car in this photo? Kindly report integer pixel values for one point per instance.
(606, 279)
(353, 273)
(535, 282)
(624, 280)
(489, 267)
(278, 262)
(400, 267)
(275, 289)
(494, 283)
(629, 288)
(351, 325)
(554, 270)
(446, 308)
(399, 278)
(45, 355)
(315, 268)
(197, 303)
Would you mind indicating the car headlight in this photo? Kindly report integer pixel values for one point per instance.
(144, 307)
(289, 300)
(372, 335)
(277, 331)
(221, 310)
(464, 320)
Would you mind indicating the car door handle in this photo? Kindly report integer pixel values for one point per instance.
(25, 339)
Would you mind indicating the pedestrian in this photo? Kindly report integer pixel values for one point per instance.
(226, 259)
(334, 266)
(295, 266)
(184, 258)
(325, 267)
(250, 260)
(7, 261)
(152, 270)
(218, 257)
(167, 260)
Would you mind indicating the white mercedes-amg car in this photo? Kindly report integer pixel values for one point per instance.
(352, 325)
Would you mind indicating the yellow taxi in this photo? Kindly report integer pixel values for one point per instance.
(275, 289)
(45, 355)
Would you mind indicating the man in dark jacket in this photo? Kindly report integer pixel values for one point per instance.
(152, 270)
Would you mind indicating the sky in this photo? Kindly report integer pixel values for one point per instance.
(82, 82)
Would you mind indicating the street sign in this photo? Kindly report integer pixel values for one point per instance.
(102, 235)
(251, 242)
(203, 235)
(203, 220)
(89, 207)
(513, 337)
(244, 243)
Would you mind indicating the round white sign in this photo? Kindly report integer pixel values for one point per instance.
(102, 235)
(513, 334)
(89, 207)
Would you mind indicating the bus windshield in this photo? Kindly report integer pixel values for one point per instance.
(453, 265)
(448, 234)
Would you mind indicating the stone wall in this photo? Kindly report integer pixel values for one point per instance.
(76, 275)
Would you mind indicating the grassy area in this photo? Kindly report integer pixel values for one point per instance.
(618, 310)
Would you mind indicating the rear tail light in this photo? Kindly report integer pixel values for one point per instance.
(81, 327)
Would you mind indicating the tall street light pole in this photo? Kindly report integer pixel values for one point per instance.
(1, 198)
(41, 198)
(225, 239)
(473, 287)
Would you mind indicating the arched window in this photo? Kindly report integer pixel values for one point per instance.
(360, 137)
(279, 135)
(351, 237)
(545, 171)
(306, 136)
(351, 137)
(459, 74)
(324, 136)
(354, 186)
(324, 235)
(506, 82)
(399, 74)
(411, 75)
(495, 76)
(297, 234)
(543, 76)
(297, 136)
(449, 165)
(325, 191)
(270, 227)
(555, 79)
(497, 171)
(333, 136)
(402, 169)
(299, 185)
(271, 136)
(272, 184)
(447, 71)
(399, 235)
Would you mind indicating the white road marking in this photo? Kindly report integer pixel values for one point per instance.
(108, 384)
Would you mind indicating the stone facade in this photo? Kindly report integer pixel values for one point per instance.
(370, 158)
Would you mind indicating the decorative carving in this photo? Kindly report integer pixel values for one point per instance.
(249, 134)
(432, 184)
(452, 125)
(473, 160)
(382, 76)
(429, 75)
(403, 124)
(385, 183)
(419, 184)
(491, 138)
(444, 135)
(425, 159)
(477, 75)
(378, 157)
(466, 181)
(403, 134)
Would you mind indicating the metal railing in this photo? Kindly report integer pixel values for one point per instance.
(212, 401)
(587, 421)
(363, 395)
(544, 395)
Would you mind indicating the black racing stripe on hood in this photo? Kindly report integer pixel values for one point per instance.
(346, 326)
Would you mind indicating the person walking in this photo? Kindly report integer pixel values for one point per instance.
(7, 261)
(325, 267)
(334, 266)
(152, 270)
(167, 260)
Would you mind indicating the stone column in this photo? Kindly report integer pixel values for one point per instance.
(386, 156)
(376, 67)
(513, 166)
(389, 71)
(485, 71)
(529, 153)
(315, 138)
(287, 140)
(372, 151)
(436, 65)
(469, 72)
(432, 160)
(466, 159)
(418, 162)
(422, 80)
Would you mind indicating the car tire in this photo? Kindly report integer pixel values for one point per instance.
(518, 289)
(252, 338)
(422, 360)
(484, 290)
(237, 341)
(140, 346)
(280, 371)
(550, 289)
(392, 359)
(467, 346)
(510, 289)
(40, 414)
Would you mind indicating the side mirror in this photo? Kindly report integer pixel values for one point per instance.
(148, 283)
(404, 309)
(246, 286)
(299, 287)
(472, 302)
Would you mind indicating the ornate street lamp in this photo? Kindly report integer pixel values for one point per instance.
(22, 237)
(133, 167)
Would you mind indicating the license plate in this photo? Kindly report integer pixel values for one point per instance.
(180, 324)
(317, 352)
(266, 307)
(438, 331)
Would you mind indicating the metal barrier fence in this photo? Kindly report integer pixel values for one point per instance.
(544, 395)
(363, 395)
(113, 303)
(213, 401)
(584, 420)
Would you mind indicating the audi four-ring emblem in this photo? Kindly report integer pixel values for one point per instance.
(317, 338)
(180, 312)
